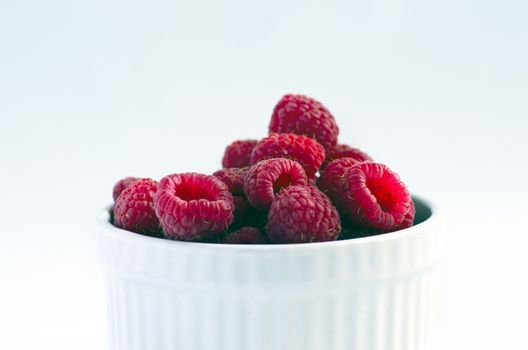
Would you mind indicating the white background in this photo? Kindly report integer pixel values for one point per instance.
(91, 91)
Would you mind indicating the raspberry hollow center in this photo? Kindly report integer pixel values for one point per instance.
(383, 193)
(189, 192)
(282, 182)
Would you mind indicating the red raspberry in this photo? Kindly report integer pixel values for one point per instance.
(121, 185)
(374, 196)
(342, 151)
(266, 178)
(303, 115)
(238, 153)
(245, 235)
(333, 175)
(408, 220)
(134, 208)
(193, 206)
(303, 149)
(233, 178)
(301, 214)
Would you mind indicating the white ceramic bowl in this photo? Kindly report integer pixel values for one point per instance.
(371, 293)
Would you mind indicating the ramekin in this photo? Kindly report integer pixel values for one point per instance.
(371, 293)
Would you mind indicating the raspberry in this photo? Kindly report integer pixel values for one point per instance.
(245, 235)
(374, 196)
(268, 177)
(303, 115)
(408, 220)
(303, 149)
(301, 214)
(351, 230)
(342, 151)
(233, 178)
(193, 206)
(333, 175)
(121, 185)
(238, 153)
(134, 208)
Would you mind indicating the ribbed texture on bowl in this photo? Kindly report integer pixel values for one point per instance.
(366, 294)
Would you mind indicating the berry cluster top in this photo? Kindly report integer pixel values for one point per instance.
(296, 185)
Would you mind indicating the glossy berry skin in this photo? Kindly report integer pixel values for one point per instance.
(374, 196)
(303, 115)
(193, 207)
(245, 235)
(122, 185)
(238, 154)
(302, 214)
(134, 208)
(268, 177)
(302, 149)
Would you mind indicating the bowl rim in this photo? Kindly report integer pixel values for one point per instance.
(103, 220)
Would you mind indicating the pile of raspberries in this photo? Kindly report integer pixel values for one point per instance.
(297, 185)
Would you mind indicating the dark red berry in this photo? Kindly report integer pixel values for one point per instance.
(238, 154)
(303, 115)
(342, 151)
(332, 176)
(301, 214)
(134, 208)
(300, 148)
(193, 206)
(268, 177)
(233, 178)
(408, 220)
(374, 196)
(121, 185)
